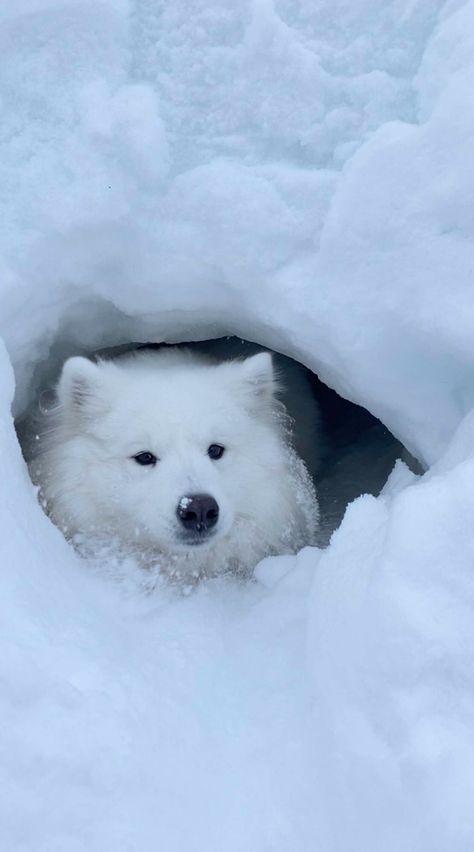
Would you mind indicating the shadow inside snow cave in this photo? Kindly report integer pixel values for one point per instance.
(348, 451)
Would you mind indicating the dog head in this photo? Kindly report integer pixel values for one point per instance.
(168, 449)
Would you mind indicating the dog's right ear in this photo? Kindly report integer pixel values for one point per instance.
(81, 388)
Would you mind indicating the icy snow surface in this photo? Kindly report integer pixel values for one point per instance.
(299, 172)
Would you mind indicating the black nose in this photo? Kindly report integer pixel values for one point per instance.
(198, 512)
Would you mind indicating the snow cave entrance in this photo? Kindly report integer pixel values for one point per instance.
(348, 451)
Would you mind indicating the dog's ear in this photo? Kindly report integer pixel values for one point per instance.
(259, 378)
(81, 389)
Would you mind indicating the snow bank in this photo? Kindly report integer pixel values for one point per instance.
(298, 173)
(135, 159)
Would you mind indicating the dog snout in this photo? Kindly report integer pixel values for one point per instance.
(198, 512)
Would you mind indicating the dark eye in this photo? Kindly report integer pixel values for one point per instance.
(215, 451)
(145, 458)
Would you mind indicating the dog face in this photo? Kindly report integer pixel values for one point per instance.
(167, 449)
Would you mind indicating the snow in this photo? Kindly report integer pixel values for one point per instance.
(299, 173)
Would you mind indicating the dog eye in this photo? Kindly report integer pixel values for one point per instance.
(215, 451)
(145, 458)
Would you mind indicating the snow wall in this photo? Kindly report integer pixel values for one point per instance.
(298, 173)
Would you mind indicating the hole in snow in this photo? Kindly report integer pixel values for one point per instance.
(349, 453)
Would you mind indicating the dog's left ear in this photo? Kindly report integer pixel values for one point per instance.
(259, 378)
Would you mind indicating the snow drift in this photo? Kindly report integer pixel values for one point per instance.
(300, 174)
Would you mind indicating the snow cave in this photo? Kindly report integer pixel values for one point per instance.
(348, 454)
(297, 174)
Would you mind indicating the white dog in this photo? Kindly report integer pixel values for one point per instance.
(183, 461)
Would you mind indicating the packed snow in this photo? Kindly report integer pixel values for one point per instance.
(298, 172)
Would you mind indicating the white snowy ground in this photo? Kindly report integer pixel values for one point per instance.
(300, 172)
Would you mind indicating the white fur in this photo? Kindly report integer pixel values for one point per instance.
(174, 404)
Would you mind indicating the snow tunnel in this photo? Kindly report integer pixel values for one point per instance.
(298, 175)
(346, 449)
